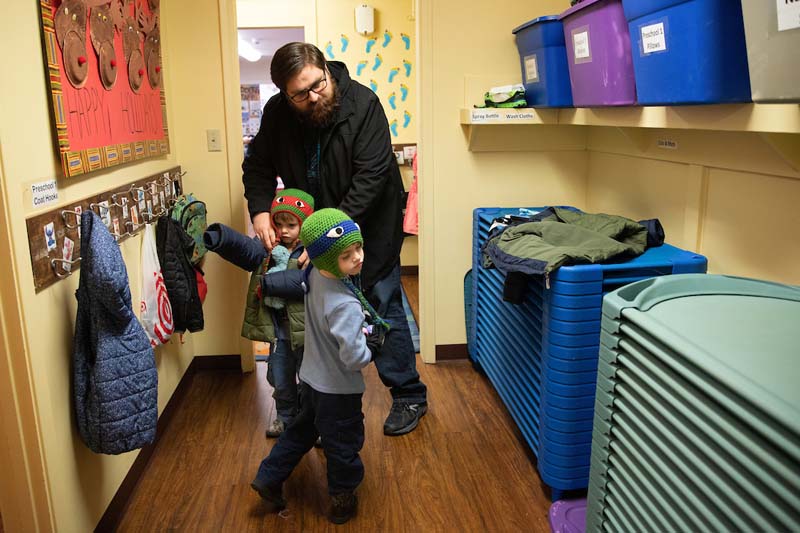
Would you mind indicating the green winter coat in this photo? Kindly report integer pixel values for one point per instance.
(569, 237)
(258, 324)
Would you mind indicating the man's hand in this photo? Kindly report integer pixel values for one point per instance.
(302, 261)
(262, 225)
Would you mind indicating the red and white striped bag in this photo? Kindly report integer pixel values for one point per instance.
(156, 311)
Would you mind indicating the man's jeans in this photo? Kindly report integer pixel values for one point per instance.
(338, 419)
(397, 363)
(284, 364)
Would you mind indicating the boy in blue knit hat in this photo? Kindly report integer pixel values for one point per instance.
(337, 347)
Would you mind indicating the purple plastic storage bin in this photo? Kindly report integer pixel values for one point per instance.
(568, 516)
(599, 54)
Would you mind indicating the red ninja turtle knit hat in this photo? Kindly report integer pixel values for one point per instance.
(298, 203)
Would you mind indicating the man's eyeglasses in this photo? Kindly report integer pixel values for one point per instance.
(318, 87)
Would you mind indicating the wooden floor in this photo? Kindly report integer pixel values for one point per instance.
(465, 468)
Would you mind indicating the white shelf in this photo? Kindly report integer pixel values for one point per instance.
(762, 118)
(509, 116)
(528, 129)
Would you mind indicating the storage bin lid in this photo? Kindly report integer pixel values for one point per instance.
(578, 7)
(744, 331)
(548, 18)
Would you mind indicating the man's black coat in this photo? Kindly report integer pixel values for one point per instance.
(358, 171)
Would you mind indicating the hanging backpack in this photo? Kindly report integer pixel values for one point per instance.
(191, 214)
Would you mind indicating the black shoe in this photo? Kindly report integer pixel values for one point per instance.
(343, 507)
(404, 417)
(273, 496)
(275, 429)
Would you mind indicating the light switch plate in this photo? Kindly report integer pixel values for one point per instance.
(214, 141)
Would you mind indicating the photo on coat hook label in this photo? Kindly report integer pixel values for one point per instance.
(50, 236)
(66, 252)
(105, 213)
(78, 209)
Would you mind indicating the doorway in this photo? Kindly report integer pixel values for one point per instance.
(256, 47)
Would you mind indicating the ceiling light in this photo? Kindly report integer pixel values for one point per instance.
(247, 51)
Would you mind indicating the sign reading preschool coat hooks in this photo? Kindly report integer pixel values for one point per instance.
(104, 68)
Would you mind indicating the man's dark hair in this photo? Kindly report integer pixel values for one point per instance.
(290, 59)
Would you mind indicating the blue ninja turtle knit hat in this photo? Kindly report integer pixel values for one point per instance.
(325, 234)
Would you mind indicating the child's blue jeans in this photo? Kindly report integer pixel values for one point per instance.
(284, 364)
(338, 419)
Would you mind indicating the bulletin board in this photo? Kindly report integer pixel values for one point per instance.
(106, 81)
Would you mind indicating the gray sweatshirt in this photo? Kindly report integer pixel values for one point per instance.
(335, 347)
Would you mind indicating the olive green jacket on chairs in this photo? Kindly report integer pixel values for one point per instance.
(259, 324)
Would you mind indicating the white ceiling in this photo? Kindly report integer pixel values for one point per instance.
(268, 40)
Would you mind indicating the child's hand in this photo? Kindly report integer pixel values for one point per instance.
(302, 261)
(375, 341)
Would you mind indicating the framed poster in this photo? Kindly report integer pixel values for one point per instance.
(105, 75)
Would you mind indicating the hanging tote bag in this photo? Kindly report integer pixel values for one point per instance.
(156, 311)
(411, 219)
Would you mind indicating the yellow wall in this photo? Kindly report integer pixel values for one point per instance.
(81, 483)
(725, 195)
(466, 48)
(393, 23)
(278, 14)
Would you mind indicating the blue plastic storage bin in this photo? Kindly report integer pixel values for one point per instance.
(543, 58)
(542, 356)
(688, 52)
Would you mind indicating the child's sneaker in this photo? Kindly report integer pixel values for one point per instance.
(272, 496)
(343, 507)
(275, 430)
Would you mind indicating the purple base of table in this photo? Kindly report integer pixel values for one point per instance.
(568, 516)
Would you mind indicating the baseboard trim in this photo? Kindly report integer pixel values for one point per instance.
(409, 270)
(119, 503)
(217, 362)
(449, 352)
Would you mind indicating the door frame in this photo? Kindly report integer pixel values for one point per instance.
(24, 492)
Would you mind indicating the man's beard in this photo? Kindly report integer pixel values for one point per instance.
(320, 113)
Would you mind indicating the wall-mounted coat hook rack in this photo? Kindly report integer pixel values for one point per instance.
(54, 235)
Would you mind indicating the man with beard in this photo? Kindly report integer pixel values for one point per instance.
(327, 134)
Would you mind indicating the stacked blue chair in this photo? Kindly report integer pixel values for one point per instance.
(541, 356)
